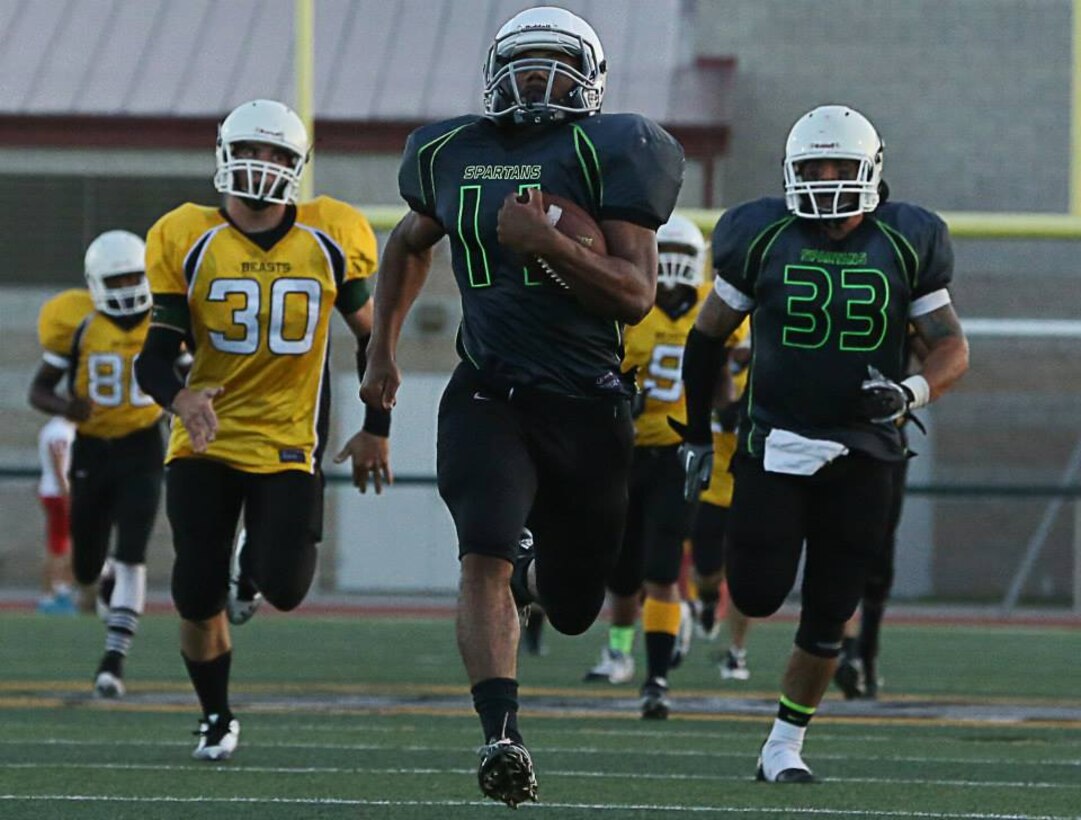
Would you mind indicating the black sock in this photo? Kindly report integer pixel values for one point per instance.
(496, 701)
(870, 627)
(211, 682)
(659, 646)
(113, 663)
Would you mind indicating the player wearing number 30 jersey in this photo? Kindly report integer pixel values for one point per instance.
(259, 321)
(250, 288)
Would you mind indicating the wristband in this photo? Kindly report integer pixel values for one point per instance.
(376, 421)
(920, 389)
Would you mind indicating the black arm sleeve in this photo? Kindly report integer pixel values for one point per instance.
(702, 360)
(376, 419)
(155, 368)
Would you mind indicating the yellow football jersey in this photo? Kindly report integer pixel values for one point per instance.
(655, 346)
(98, 355)
(258, 321)
(719, 491)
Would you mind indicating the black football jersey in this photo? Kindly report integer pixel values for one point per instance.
(520, 328)
(824, 311)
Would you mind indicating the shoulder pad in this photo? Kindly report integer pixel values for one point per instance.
(60, 317)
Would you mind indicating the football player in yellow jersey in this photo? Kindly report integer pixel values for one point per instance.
(250, 288)
(707, 533)
(91, 339)
(658, 517)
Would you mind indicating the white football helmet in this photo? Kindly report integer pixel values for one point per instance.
(112, 254)
(683, 266)
(833, 132)
(545, 28)
(261, 121)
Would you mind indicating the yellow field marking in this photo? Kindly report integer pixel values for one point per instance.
(453, 690)
(35, 702)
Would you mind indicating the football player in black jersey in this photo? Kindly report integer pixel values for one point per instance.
(831, 275)
(535, 426)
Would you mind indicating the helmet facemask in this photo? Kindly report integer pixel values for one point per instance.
(503, 95)
(256, 180)
(531, 41)
(679, 276)
(833, 198)
(679, 265)
(114, 254)
(120, 300)
(838, 133)
(261, 182)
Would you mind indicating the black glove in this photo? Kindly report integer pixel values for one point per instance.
(696, 461)
(638, 402)
(881, 399)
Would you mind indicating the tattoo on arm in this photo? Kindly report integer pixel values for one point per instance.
(939, 324)
(717, 318)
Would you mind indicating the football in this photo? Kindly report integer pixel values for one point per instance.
(572, 220)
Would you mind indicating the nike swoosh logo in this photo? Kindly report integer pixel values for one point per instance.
(481, 397)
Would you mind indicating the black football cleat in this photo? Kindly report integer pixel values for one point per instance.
(506, 772)
(655, 704)
(849, 677)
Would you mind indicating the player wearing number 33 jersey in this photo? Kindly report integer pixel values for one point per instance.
(833, 309)
(258, 321)
(831, 276)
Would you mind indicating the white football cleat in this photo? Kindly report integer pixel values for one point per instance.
(217, 739)
(614, 667)
(780, 762)
(108, 686)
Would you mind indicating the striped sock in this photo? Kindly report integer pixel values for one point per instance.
(121, 625)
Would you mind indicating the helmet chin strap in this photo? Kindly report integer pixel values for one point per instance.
(253, 204)
(128, 321)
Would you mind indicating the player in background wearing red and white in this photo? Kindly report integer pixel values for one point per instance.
(54, 453)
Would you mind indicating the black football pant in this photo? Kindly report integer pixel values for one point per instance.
(556, 464)
(114, 483)
(707, 538)
(842, 514)
(657, 522)
(283, 516)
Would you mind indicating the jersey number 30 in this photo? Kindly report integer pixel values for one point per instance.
(244, 340)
